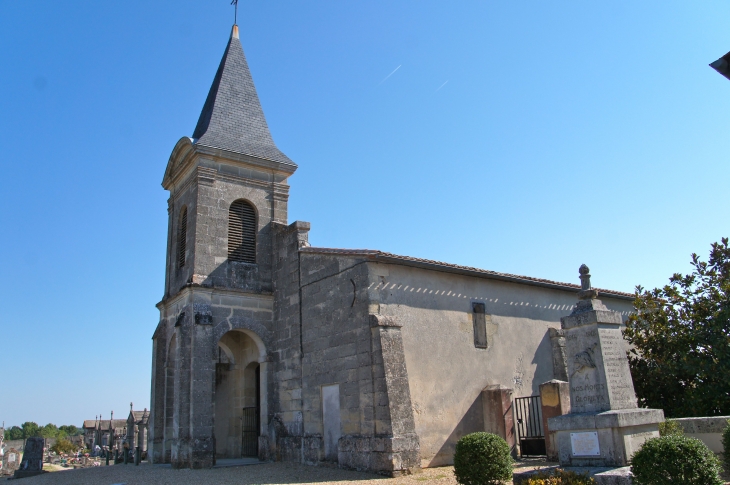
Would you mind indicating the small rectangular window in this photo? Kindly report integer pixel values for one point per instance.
(479, 318)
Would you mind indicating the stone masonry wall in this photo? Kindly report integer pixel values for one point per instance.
(284, 419)
(342, 346)
(219, 185)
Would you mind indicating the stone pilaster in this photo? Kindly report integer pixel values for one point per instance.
(498, 417)
(560, 364)
(156, 436)
(555, 399)
(284, 419)
(395, 446)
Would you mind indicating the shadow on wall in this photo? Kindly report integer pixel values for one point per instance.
(505, 298)
(543, 353)
(474, 420)
(471, 422)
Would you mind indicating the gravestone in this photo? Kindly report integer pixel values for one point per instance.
(11, 461)
(32, 463)
(605, 427)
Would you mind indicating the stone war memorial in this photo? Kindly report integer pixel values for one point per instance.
(604, 427)
(271, 348)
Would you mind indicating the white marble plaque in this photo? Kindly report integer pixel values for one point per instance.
(585, 444)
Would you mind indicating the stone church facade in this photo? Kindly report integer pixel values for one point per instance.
(267, 346)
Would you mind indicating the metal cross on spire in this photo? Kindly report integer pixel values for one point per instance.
(235, 11)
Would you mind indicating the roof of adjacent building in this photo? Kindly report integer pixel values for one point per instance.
(140, 417)
(385, 257)
(104, 423)
(232, 118)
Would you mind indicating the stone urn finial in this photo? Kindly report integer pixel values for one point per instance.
(586, 291)
(585, 277)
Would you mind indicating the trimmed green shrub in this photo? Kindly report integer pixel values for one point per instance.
(673, 460)
(670, 427)
(560, 477)
(482, 459)
(63, 446)
(726, 446)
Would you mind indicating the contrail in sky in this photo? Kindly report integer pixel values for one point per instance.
(386, 77)
(444, 84)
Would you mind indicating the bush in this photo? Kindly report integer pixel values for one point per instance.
(726, 446)
(482, 459)
(63, 446)
(560, 477)
(675, 459)
(670, 427)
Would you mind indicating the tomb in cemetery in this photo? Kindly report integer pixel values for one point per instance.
(32, 463)
(11, 461)
(605, 427)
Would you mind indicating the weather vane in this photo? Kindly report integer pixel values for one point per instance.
(235, 11)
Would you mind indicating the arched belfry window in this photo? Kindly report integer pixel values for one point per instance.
(242, 232)
(182, 237)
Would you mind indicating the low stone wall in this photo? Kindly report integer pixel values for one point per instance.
(707, 430)
(17, 444)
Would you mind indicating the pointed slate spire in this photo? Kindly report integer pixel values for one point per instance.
(232, 118)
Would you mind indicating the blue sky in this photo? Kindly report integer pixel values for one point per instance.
(523, 137)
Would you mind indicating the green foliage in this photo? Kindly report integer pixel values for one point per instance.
(70, 430)
(482, 459)
(680, 338)
(14, 433)
(726, 446)
(49, 431)
(63, 446)
(30, 429)
(675, 459)
(670, 427)
(560, 477)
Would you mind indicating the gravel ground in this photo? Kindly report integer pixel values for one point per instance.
(268, 473)
(264, 474)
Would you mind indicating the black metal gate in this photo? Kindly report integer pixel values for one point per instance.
(530, 432)
(250, 426)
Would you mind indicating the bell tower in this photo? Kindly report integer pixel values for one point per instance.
(228, 189)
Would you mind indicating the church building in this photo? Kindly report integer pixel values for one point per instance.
(269, 347)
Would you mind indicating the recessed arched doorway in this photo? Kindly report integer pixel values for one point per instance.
(238, 394)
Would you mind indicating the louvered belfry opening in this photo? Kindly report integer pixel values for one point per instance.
(182, 237)
(242, 232)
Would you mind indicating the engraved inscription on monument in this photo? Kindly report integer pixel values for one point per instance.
(588, 390)
(616, 366)
(585, 444)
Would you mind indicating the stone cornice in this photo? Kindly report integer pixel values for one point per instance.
(191, 288)
(179, 172)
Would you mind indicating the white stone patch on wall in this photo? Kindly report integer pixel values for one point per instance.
(331, 420)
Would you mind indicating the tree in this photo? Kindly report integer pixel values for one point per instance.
(63, 446)
(70, 430)
(30, 429)
(14, 433)
(680, 338)
(49, 431)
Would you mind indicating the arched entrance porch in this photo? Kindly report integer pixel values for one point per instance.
(240, 394)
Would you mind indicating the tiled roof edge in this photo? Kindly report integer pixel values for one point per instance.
(385, 257)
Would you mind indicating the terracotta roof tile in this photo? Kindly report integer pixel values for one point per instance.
(390, 257)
